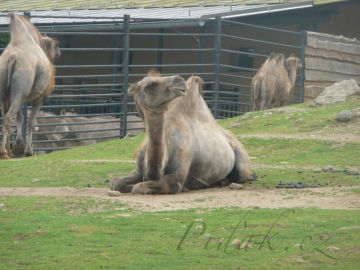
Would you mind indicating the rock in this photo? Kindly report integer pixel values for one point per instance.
(345, 116)
(2, 205)
(338, 92)
(235, 186)
(114, 193)
(299, 121)
(246, 245)
(356, 112)
(236, 242)
(333, 248)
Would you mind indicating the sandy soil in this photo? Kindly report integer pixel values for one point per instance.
(323, 198)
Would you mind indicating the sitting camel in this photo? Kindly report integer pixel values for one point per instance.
(26, 75)
(273, 83)
(185, 147)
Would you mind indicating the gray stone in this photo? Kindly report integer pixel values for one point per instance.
(235, 186)
(338, 92)
(114, 193)
(345, 116)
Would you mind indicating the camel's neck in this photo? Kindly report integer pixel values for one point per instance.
(154, 122)
(292, 75)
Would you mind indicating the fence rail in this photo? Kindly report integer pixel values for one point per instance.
(97, 67)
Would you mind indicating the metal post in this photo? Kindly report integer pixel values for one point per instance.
(303, 41)
(125, 73)
(159, 58)
(217, 64)
(201, 46)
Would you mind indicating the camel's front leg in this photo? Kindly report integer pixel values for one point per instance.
(31, 125)
(126, 184)
(173, 181)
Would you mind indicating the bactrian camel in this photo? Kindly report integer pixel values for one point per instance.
(26, 75)
(185, 147)
(272, 85)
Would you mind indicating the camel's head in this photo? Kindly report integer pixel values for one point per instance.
(51, 47)
(293, 62)
(154, 93)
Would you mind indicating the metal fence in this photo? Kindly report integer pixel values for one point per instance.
(96, 68)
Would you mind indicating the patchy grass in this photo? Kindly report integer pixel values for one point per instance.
(300, 153)
(302, 119)
(47, 233)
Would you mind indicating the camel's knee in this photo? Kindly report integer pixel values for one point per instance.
(148, 187)
(121, 185)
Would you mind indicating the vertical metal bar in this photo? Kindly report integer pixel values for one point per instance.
(125, 73)
(24, 106)
(202, 46)
(217, 65)
(159, 58)
(303, 41)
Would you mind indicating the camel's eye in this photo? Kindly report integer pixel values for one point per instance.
(151, 86)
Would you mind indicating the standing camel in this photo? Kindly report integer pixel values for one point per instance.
(273, 83)
(185, 147)
(26, 75)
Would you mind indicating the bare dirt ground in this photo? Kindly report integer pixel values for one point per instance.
(323, 198)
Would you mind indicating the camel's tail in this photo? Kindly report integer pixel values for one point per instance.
(255, 93)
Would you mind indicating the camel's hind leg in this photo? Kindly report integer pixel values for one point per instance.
(8, 119)
(241, 171)
(5, 136)
(19, 146)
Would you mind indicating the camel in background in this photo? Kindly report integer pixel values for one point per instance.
(26, 75)
(273, 83)
(185, 147)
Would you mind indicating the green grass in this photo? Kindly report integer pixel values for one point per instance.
(50, 233)
(306, 119)
(302, 152)
(83, 233)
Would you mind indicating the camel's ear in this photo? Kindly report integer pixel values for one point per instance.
(133, 89)
(154, 73)
(178, 83)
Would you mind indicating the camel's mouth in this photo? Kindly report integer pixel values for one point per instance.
(180, 92)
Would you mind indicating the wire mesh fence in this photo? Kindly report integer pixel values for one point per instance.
(90, 101)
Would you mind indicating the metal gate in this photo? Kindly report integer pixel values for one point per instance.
(96, 68)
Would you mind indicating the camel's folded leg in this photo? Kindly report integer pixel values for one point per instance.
(125, 184)
(169, 184)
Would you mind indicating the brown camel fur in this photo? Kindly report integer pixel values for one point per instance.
(272, 85)
(26, 75)
(185, 148)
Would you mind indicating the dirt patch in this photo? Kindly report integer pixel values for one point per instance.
(323, 198)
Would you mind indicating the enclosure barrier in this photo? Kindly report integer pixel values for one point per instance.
(96, 68)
